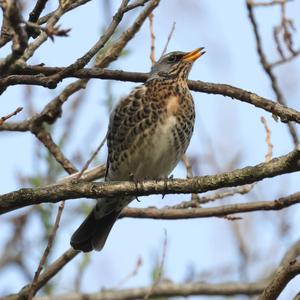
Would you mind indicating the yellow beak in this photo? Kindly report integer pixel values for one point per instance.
(194, 55)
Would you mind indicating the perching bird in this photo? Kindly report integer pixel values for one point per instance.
(148, 133)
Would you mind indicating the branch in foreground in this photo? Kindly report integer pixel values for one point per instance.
(169, 290)
(32, 75)
(54, 193)
(287, 270)
(47, 275)
(174, 213)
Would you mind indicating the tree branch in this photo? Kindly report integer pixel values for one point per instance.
(54, 193)
(169, 290)
(32, 75)
(268, 68)
(183, 213)
(287, 270)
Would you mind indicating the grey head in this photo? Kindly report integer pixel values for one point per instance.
(176, 64)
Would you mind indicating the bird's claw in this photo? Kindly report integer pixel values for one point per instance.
(136, 182)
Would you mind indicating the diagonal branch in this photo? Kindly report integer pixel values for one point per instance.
(287, 270)
(13, 19)
(268, 68)
(47, 275)
(86, 58)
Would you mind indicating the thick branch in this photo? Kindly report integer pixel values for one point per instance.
(29, 196)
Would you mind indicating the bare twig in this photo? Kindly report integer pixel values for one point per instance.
(268, 69)
(3, 119)
(159, 273)
(85, 59)
(72, 5)
(91, 159)
(45, 138)
(33, 287)
(131, 274)
(269, 154)
(287, 270)
(152, 39)
(47, 275)
(37, 10)
(285, 60)
(34, 16)
(219, 211)
(267, 4)
(50, 31)
(136, 4)
(88, 175)
(13, 17)
(169, 39)
(244, 189)
(189, 170)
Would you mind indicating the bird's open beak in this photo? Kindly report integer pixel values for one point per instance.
(194, 55)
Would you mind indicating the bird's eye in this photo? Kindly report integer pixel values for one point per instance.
(172, 58)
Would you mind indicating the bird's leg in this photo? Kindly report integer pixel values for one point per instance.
(165, 179)
(136, 182)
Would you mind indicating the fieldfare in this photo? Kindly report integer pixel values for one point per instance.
(148, 133)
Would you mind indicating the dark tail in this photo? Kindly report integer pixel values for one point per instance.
(92, 233)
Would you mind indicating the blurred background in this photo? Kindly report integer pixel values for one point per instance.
(228, 135)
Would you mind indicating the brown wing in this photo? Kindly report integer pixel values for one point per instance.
(130, 118)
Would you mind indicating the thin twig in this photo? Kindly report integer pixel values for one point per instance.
(48, 273)
(169, 38)
(268, 69)
(47, 250)
(86, 58)
(267, 4)
(285, 60)
(287, 270)
(189, 171)
(134, 272)
(34, 16)
(86, 165)
(152, 39)
(269, 153)
(219, 211)
(160, 268)
(3, 119)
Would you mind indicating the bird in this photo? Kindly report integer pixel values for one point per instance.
(148, 133)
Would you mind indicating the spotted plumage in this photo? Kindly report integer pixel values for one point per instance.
(148, 133)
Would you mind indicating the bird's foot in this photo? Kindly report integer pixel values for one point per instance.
(136, 182)
(165, 179)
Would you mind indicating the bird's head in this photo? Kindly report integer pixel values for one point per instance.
(176, 64)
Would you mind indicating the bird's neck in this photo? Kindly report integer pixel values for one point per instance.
(166, 87)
